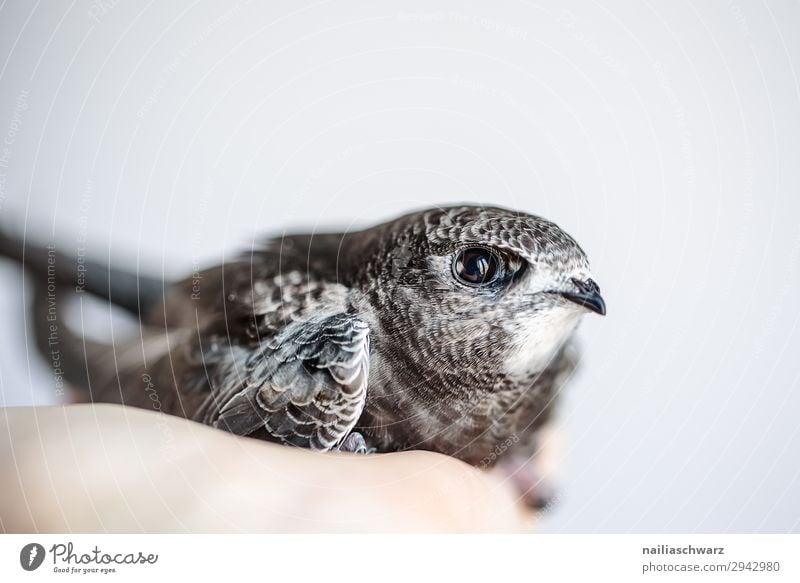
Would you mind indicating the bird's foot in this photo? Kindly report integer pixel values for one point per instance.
(355, 443)
(534, 488)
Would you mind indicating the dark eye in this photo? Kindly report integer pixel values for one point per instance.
(476, 266)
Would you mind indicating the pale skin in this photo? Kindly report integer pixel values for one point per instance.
(108, 468)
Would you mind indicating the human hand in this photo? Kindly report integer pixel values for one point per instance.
(108, 468)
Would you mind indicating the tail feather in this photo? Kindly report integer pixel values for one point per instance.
(56, 277)
(134, 292)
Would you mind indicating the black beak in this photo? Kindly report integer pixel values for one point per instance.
(588, 296)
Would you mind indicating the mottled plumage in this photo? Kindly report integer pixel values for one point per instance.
(447, 330)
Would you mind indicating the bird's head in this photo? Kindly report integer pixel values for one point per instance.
(488, 290)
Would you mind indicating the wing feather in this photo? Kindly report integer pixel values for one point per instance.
(307, 386)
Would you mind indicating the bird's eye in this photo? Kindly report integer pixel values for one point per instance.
(476, 266)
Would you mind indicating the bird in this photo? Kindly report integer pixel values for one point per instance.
(449, 329)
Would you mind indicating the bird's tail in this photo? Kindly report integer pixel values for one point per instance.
(56, 277)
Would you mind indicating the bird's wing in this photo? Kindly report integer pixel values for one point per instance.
(307, 386)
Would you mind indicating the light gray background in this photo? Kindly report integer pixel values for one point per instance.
(664, 136)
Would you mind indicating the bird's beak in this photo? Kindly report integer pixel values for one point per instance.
(587, 295)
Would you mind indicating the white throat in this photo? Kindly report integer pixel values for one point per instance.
(537, 340)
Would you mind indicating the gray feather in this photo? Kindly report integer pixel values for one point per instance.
(306, 387)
